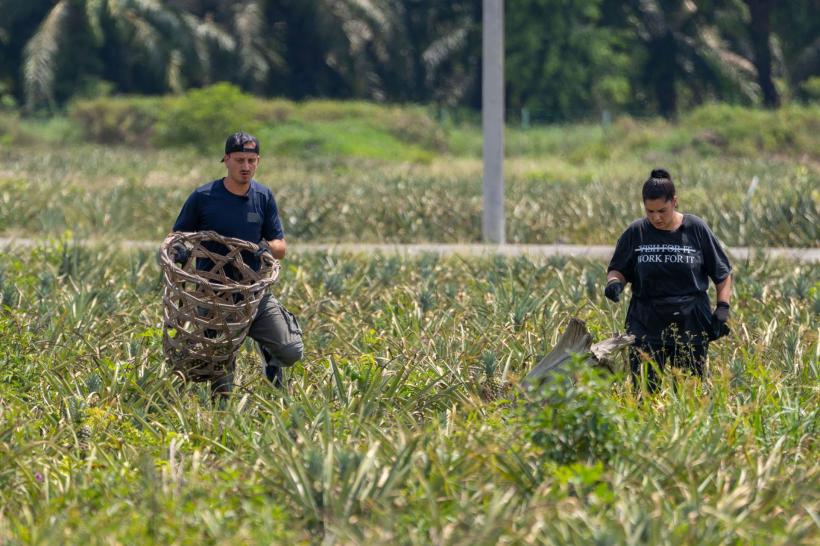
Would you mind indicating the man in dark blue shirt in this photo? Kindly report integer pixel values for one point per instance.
(239, 206)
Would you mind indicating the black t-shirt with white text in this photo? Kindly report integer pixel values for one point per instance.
(665, 267)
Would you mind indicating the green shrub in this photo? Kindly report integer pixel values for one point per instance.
(274, 111)
(811, 88)
(574, 421)
(409, 124)
(202, 118)
(329, 110)
(9, 127)
(117, 120)
(414, 126)
(745, 131)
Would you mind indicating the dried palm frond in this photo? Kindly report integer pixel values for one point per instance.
(577, 340)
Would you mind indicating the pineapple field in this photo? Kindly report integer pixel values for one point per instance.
(406, 423)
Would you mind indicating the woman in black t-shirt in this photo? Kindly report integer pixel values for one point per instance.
(668, 258)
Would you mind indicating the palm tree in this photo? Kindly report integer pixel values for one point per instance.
(684, 49)
(760, 12)
(41, 53)
(416, 50)
(142, 46)
(429, 50)
(16, 25)
(798, 32)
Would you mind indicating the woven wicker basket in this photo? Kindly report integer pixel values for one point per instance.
(208, 311)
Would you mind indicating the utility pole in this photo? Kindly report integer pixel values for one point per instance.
(492, 119)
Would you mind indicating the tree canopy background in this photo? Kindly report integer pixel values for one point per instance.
(566, 59)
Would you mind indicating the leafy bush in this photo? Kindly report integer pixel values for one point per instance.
(274, 111)
(574, 421)
(118, 120)
(811, 88)
(329, 110)
(33, 132)
(9, 127)
(202, 118)
(745, 131)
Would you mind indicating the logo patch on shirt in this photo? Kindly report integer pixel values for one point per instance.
(254, 218)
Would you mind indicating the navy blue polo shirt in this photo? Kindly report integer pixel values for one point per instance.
(250, 217)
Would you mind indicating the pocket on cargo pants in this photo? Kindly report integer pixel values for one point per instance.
(277, 330)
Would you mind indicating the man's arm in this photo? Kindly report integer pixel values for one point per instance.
(278, 247)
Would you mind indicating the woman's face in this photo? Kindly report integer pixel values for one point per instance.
(661, 213)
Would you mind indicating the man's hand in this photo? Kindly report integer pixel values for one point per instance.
(276, 247)
(263, 247)
(719, 319)
(613, 290)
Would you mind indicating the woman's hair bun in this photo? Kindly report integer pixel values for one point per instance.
(660, 173)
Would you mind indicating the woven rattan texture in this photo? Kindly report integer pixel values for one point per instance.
(208, 311)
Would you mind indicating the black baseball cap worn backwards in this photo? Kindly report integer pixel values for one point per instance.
(241, 142)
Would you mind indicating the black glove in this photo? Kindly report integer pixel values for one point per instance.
(613, 290)
(180, 253)
(719, 319)
(263, 247)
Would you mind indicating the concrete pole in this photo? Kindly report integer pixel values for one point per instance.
(492, 119)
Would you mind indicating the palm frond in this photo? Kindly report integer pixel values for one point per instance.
(164, 39)
(164, 19)
(173, 74)
(148, 40)
(354, 27)
(731, 70)
(706, 55)
(207, 38)
(40, 65)
(444, 47)
(257, 58)
(94, 10)
(652, 18)
(807, 62)
(210, 33)
(377, 19)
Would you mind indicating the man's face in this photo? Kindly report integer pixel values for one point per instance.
(241, 166)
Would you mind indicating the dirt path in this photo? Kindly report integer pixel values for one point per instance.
(602, 252)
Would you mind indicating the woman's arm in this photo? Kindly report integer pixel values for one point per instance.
(615, 276)
(724, 289)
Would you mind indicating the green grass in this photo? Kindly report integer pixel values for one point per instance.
(349, 172)
(384, 436)
(345, 138)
